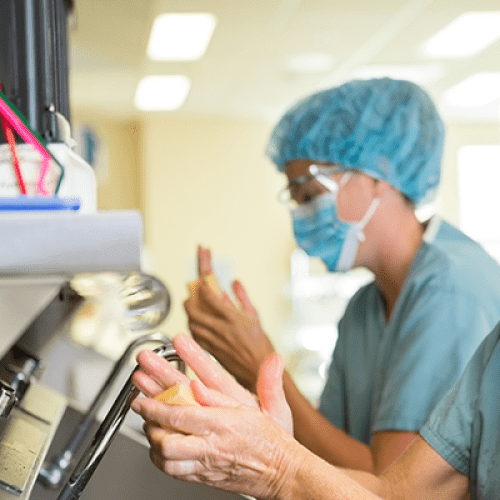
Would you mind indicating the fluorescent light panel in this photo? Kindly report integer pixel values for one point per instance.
(162, 92)
(308, 62)
(467, 35)
(477, 90)
(180, 37)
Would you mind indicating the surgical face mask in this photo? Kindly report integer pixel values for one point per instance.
(321, 233)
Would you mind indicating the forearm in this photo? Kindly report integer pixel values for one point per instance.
(317, 434)
(316, 479)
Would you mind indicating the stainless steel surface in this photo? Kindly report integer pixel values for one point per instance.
(25, 438)
(21, 301)
(7, 399)
(40, 251)
(19, 368)
(64, 244)
(55, 472)
(106, 432)
(147, 300)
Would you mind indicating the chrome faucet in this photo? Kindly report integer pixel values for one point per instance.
(53, 474)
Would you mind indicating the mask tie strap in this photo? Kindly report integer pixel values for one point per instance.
(366, 218)
(343, 181)
(354, 237)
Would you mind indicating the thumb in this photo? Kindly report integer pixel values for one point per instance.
(271, 393)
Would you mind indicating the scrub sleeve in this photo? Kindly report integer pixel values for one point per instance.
(464, 428)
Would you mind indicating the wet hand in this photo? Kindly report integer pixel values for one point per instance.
(235, 448)
(215, 386)
(157, 374)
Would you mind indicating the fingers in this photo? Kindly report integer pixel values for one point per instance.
(172, 445)
(195, 420)
(219, 303)
(210, 397)
(225, 353)
(219, 306)
(271, 393)
(158, 374)
(242, 296)
(181, 469)
(227, 299)
(203, 336)
(159, 370)
(222, 447)
(204, 261)
(209, 372)
(146, 384)
(152, 411)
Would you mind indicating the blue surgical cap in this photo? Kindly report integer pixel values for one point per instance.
(388, 129)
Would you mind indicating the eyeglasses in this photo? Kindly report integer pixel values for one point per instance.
(305, 188)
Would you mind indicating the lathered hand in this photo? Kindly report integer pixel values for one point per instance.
(157, 374)
(236, 449)
(226, 443)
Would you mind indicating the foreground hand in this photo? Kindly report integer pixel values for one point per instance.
(235, 448)
(158, 374)
(216, 387)
(233, 333)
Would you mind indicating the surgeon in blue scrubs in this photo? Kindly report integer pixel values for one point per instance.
(359, 159)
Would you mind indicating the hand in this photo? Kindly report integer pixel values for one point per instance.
(232, 334)
(158, 374)
(219, 388)
(233, 448)
(227, 444)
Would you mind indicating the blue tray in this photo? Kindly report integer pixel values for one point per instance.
(34, 203)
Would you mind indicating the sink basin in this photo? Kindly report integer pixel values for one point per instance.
(126, 472)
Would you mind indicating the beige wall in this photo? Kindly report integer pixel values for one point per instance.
(206, 181)
(118, 176)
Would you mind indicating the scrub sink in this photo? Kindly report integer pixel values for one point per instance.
(126, 473)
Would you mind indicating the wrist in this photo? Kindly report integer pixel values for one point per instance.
(285, 477)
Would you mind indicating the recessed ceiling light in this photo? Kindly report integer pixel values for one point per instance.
(162, 92)
(420, 74)
(180, 37)
(313, 62)
(467, 35)
(477, 90)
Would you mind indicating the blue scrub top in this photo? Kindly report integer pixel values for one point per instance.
(390, 375)
(465, 427)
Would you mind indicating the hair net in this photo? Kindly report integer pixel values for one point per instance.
(388, 129)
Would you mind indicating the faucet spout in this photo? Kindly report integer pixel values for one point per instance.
(107, 430)
(54, 473)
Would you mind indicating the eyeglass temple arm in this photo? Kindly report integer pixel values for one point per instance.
(325, 181)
